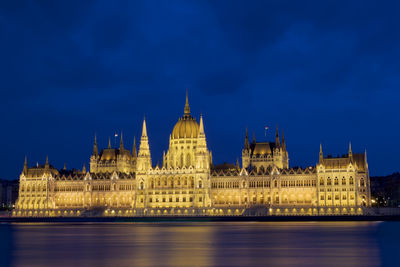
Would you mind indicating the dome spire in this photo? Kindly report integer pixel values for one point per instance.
(187, 107)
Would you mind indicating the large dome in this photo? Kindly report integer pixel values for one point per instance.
(187, 126)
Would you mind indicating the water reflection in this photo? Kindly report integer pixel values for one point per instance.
(196, 244)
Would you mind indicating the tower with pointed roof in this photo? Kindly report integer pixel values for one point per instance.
(112, 159)
(265, 154)
(144, 156)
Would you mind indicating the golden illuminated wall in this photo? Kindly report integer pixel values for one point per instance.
(272, 189)
(120, 182)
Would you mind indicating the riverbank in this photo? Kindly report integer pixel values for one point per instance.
(196, 219)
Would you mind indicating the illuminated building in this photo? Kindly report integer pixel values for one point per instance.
(121, 182)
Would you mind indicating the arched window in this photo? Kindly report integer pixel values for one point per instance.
(336, 181)
(188, 161)
(362, 182)
(200, 184)
(321, 181)
(141, 185)
(329, 181)
(351, 180)
(181, 164)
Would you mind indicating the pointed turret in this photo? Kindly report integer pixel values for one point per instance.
(164, 162)
(187, 107)
(144, 157)
(350, 151)
(134, 150)
(95, 150)
(109, 142)
(254, 137)
(237, 164)
(246, 141)
(321, 155)
(283, 141)
(25, 170)
(277, 142)
(121, 144)
(47, 165)
(365, 157)
(84, 168)
(144, 128)
(65, 166)
(201, 128)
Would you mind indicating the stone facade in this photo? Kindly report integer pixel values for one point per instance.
(121, 182)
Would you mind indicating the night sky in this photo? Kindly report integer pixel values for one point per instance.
(323, 71)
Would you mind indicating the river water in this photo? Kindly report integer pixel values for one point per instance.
(201, 244)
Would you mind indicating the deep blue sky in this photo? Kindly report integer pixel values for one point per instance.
(324, 71)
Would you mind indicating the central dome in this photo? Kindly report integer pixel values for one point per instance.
(187, 126)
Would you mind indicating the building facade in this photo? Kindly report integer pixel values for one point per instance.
(121, 182)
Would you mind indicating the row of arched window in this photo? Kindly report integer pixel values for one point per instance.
(336, 181)
(33, 188)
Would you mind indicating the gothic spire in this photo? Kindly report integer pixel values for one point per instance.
(246, 141)
(134, 151)
(109, 142)
(95, 150)
(350, 151)
(164, 162)
(84, 168)
(144, 157)
(201, 129)
(254, 137)
(187, 107)
(25, 170)
(144, 129)
(121, 144)
(237, 164)
(47, 165)
(283, 141)
(277, 142)
(321, 155)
